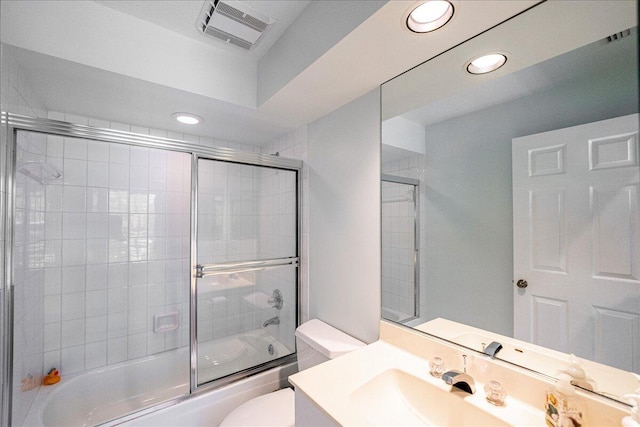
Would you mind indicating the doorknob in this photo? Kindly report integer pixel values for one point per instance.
(522, 284)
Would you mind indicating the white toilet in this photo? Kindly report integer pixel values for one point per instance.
(316, 342)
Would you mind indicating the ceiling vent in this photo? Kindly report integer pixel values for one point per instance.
(233, 23)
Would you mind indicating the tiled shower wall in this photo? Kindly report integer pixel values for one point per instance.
(260, 223)
(294, 145)
(278, 230)
(398, 242)
(106, 212)
(229, 223)
(117, 252)
(397, 292)
(139, 191)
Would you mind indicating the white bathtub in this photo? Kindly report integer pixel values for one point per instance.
(222, 357)
(108, 393)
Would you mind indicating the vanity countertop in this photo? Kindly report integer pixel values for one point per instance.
(354, 389)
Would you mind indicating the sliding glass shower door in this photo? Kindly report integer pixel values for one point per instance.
(246, 268)
(140, 264)
(100, 277)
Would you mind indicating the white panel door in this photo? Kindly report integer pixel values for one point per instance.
(577, 242)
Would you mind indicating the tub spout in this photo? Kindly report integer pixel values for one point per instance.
(272, 321)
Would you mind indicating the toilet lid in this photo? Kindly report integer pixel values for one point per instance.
(273, 409)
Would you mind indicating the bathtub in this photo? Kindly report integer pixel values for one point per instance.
(109, 393)
(225, 356)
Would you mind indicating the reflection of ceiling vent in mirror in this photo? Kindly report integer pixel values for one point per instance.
(233, 22)
(618, 36)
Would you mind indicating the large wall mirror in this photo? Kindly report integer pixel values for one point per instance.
(510, 199)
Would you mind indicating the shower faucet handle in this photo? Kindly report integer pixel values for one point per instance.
(276, 300)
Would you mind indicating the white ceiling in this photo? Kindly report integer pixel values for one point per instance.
(75, 88)
(137, 61)
(180, 17)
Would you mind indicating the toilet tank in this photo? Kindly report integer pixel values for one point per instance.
(318, 342)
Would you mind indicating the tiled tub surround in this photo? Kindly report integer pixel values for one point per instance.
(116, 252)
(246, 213)
(398, 244)
(117, 330)
(294, 145)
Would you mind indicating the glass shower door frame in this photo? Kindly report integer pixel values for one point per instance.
(12, 123)
(203, 270)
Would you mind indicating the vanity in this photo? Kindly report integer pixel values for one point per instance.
(389, 383)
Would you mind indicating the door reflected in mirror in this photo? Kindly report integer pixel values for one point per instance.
(528, 174)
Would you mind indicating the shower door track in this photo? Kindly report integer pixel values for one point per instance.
(12, 123)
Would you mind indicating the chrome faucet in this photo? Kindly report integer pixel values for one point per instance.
(460, 380)
(272, 321)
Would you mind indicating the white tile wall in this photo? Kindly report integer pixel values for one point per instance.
(398, 240)
(126, 211)
(232, 211)
(294, 145)
(102, 291)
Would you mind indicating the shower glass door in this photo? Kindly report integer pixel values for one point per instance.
(400, 231)
(246, 268)
(100, 277)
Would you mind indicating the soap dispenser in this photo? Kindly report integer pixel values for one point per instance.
(563, 406)
(577, 374)
(633, 420)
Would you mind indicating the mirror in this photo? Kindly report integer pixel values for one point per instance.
(527, 193)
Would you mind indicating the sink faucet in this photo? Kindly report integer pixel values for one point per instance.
(460, 380)
(273, 321)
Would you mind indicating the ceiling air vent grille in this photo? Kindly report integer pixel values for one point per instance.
(618, 36)
(233, 22)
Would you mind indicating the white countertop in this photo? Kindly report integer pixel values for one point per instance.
(331, 385)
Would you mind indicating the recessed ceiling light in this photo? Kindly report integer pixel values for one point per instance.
(187, 118)
(429, 16)
(486, 63)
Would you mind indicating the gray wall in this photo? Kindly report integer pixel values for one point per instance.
(467, 264)
(344, 217)
(300, 45)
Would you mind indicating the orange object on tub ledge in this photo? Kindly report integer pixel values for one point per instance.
(51, 378)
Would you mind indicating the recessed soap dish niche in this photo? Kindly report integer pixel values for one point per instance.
(166, 322)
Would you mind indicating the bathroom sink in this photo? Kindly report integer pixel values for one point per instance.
(395, 397)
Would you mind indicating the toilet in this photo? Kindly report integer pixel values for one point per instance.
(316, 342)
